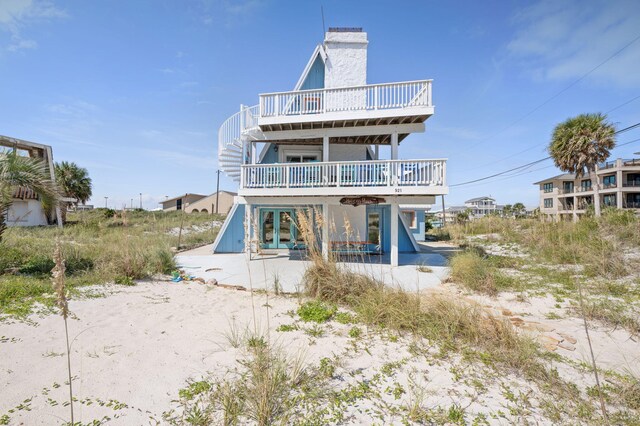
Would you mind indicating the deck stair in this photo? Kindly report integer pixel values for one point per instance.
(237, 129)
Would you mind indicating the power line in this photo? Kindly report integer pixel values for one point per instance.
(623, 104)
(559, 93)
(537, 145)
(525, 166)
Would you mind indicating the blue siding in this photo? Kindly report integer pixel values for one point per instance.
(315, 77)
(271, 156)
(404, 241)
(232, 241)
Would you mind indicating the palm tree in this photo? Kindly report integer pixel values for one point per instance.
(580, 143)
(17, 172)
(74, 181)
(518, 210)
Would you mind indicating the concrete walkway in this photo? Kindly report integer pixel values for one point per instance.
(287, 268)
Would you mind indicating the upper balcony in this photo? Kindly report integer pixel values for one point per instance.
(390, 103)
(376, 178)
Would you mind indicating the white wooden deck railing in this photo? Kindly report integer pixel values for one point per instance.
(357, 98)
(344, 174)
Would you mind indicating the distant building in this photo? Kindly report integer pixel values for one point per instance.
(567, 197)
(180, 202)
(476, 207)
(26, 208)
(196, 203)
(208, 204)
(482, 206)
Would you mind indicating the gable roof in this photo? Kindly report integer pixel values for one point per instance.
(319, 50)
(479, 199)
(182, 196)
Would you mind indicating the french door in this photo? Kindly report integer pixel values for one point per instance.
(277, 229)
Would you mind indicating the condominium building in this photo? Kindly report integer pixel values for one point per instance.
(565, 196)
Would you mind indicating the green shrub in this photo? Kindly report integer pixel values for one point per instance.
(316, 311)
(38, 266)
(473, 271)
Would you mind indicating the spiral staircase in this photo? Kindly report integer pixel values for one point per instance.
(237, 129)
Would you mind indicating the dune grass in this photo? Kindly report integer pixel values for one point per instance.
(597, 244)
(99, 246)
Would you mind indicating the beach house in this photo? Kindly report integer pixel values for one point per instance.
(329, 147)
(26, 208)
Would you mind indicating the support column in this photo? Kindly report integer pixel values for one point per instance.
(325, 231)
(394, 233)
(325, 148)
(247, 229)
(394, 145)
(254, 152)
(376, 152)
(619, 184)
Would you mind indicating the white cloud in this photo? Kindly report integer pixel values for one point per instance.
(18, 43)
(16, 15)
(564, 40)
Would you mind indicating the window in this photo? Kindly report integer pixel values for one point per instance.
(410, 216)
(633, 179)
(373, 225)
(301, 158)
(548, 187)
(609, 181)
(586, 185)
(568, 187)
(548, 203)
(633, 201)
(609, 200)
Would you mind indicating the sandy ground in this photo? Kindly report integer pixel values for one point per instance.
(135, 348)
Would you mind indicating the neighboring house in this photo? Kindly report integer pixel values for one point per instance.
(317, 149)
(27, 209)
(224, 200)
(476, 207)
(482, 206)
(82, 207)
(180, 202)
(565, 197)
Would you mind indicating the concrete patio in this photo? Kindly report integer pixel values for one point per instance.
(287, 268)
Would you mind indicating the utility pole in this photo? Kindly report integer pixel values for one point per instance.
(444, 219)
(105, 202)
(132, 204)
(217, 191)
(141, 201)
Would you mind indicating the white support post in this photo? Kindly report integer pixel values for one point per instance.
(619, 184)
(394, 233)
(394, 145)
(325, 148)
(252, 147)
(325, 231)
(248, 228)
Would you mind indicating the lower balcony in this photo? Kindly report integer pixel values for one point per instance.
(380, 177)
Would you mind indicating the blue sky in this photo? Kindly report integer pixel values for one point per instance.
(136, 90)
